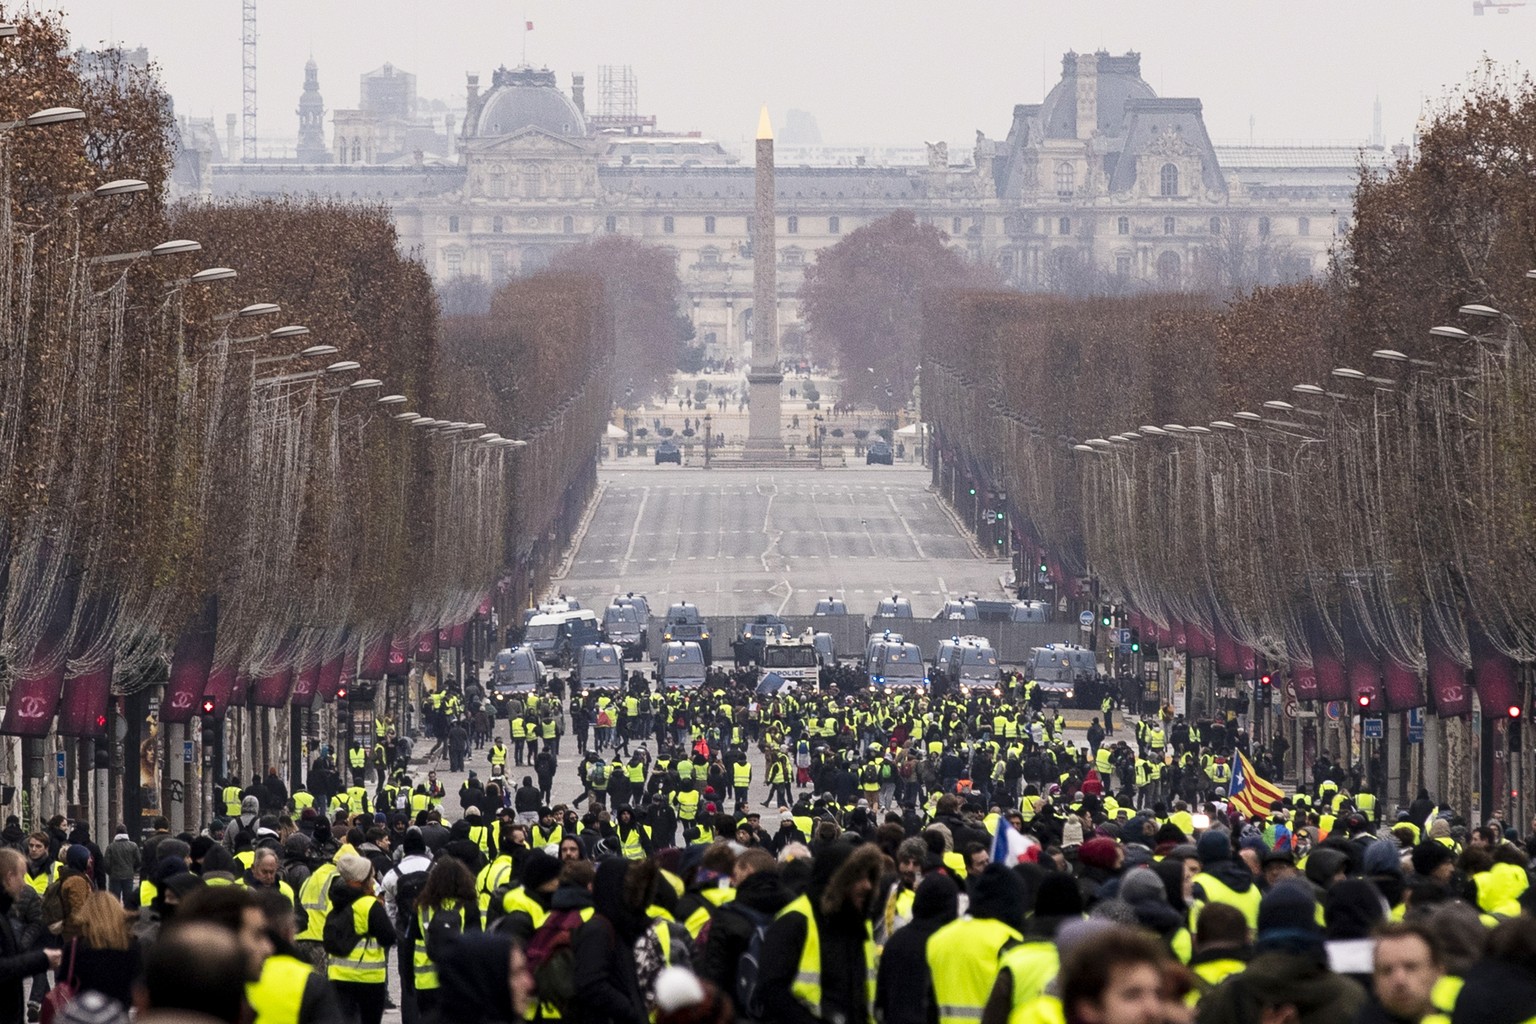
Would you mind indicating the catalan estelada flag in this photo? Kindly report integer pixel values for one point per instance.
(1250, 794)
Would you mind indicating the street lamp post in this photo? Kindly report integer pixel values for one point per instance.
(708, 438)
(821, 434)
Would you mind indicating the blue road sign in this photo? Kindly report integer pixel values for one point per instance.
(1373, 729)
(1085, 618)
(58, 764)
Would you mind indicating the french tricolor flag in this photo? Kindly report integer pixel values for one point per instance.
(1010, 846)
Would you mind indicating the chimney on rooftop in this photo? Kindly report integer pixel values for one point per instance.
(579, 92)
(1087, 94)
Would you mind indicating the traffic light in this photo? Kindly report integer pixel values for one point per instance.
(973, 492)
(1105, 620)
(208, 705)
(1043, 567)
(1514, 711)
(1364, 699)
(341, 693)
(1135, 640)
(1266, 679)
(1516, 741)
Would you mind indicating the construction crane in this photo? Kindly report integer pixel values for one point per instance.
(248, 81)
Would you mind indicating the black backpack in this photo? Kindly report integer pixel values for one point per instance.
(407, 888)
(338, 936)
(749, 995)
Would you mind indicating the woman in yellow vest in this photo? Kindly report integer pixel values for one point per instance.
(818, 956)
(359, 974)
(447, 907)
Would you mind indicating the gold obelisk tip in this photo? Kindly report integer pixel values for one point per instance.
(764, 126)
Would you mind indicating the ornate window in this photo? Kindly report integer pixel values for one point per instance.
(568, 181)
(357, 150)
(792, 224)
(1215, 225)
(1123, 226)
(1123, 264)
(453, 225)
(453, 261)
(1064, 226)
(1066, 179)
(1303, 226)
(709, 228)
(955, 227)
(1169, 227)
(793, 257)
(496, 182)
(611, 224)
(709, 256)
(1263, 227)
(568, 226)
(668, 225)
(1168, 269)
(496, 225)
(835, 225)
(499, 272)
(1168, 181)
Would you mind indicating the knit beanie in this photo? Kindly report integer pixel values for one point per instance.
(1289, 906)
(1213, 847)
(1099, 853)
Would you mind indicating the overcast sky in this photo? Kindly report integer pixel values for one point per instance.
(886, 71)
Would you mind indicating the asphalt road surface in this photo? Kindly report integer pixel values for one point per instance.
(742, 542)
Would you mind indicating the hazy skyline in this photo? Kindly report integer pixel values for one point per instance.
(869, 72)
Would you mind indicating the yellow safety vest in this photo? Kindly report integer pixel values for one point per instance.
(315, 898)
(1217, 891)
(963, 962)
(420, 802)
(636, 773)
(277, 997)
(741, 774)
(303, 799)
(1032, 965)
(1104, 765)
(498, 755)
(687, 805)
(518, 899)
(232, 800)
(356, 758)
(542, 838)
(41, 882)
(357, 799)
(481, 837)
(425, 970)
(492, 877)
(366, 963)
(630, 845)
(806, 986)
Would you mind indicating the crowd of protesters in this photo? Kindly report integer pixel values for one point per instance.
(906, 859)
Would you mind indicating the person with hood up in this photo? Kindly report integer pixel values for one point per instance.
(603, 948)
(818, 956)
(1383, 866)
(902, 991)
(1288, 977)
(1144, 890)
(1026, 969)
(1352, 911)
(490, 980)
(963, 955)
(250, 815)
(759, 898)
(1223, 879)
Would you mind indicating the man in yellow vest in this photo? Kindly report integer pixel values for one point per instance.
(357, 760)
(359, 976)
(963, 955)
(315, 902)
(741, 777)
(289, 991)
(819, 953)
(498, 756)
(1222, 879)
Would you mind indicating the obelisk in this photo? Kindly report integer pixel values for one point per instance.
(765, 428)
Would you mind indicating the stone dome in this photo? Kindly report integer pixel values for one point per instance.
(527, 98)
(1119, 81)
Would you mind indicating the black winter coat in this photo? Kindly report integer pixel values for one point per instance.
(17, 964)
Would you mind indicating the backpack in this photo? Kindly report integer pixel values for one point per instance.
(551, 959)
(443, 927)
(749, 995)
(53, 904)
(604, 719)
(337, 937)
(407, 888)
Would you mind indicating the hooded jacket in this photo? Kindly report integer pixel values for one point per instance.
(604, 951)
(841, 927)
(730, 932)
(902, 993)
(475, 969)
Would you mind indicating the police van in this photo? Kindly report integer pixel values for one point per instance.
(967, 663)
(896, 666)
(681, 666)
(1062, 671)
(793, 658)
(516, 672)
(599, 669)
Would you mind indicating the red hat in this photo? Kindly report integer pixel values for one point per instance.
(1099, 853)
(710, 808)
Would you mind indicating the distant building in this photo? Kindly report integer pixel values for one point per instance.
(1101, 187)
(311, 148)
